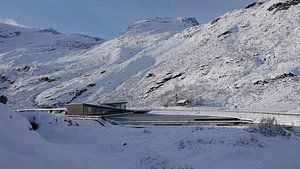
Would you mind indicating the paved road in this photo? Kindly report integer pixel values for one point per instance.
(156, 119)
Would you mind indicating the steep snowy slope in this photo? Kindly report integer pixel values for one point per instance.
(25, 54)
(247, 58)
(86, 75)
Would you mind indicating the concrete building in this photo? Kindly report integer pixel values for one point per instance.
(120, 105)
(91, 109)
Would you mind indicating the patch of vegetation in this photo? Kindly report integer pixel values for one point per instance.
(270, 128)
(154, 163)
(190, 144)
(71, 123)
(248, 141)
(34, 126)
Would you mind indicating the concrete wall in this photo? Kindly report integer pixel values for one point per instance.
(89, 109)
(75, 109)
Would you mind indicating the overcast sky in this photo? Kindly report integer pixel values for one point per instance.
(106, 18)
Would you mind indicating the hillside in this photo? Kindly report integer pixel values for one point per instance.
(28, 55)
(245, 59)
(74, 74)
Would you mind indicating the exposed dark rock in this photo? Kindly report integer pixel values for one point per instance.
(76, 94)
(103, 71)
(48, 50)
(72, 44)
(79, 92)
(279, 77)
(49, 30)
(285, 75)
(253, 4)
(23, 69)
(17, 33)
(224, 33)
(154, 88)
(91, 85)
(261, 82)
(5, 34)
(47, 79)
(283, 5)
(3, 78)
(215, 21)
(177, 75)
(150, 75)
(190, 20)
(167, 78)
(164, 80)
(3, 99)
(91, 37)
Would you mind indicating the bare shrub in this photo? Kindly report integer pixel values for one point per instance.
(158, 163)
(185, 166)
(248, 141)
(154, 163)
(270, 128)
(191, 144)
(145, 131)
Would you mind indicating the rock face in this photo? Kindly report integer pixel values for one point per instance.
(3, 99)
(283, 5)
(248, 58)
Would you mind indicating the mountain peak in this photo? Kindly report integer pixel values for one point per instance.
(162, 24)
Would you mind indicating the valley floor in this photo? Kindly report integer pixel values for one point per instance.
(60, 143)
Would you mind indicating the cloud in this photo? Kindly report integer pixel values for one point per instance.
(11, 22)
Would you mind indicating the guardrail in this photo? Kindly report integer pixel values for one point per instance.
(188, 109)
(256, 116)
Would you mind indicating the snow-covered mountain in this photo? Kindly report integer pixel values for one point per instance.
(74, 74)
(247, 58)
(27, 56)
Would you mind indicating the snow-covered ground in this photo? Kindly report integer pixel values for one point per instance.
(247, 59)
(86, 144)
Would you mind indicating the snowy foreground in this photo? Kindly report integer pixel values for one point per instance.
(88, 145)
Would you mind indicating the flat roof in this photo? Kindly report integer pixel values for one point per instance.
(96, 105)
(113, 102)
(88, 104)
